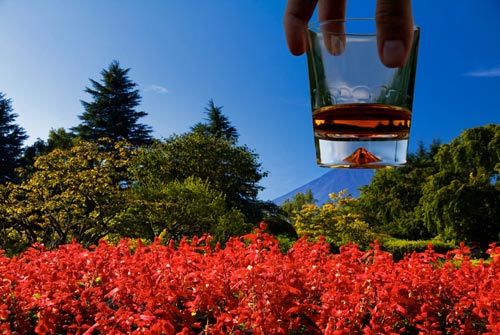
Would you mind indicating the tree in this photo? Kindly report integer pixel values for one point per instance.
(58, 139)
(461, 202)
(232, 170)
(72, 193)
(12, 137)
(112, 112)
(389, 202)
(217, 124)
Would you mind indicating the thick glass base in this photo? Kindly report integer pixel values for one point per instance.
(355, 153)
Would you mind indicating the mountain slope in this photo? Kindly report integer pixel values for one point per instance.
(333, 181)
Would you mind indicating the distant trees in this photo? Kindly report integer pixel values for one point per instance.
(110, 115)
(184, 208)
(85, 184)
(297, 202)
(448, 192)
(191, 184)
(12, 137)
(112, 112)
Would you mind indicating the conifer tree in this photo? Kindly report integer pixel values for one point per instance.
(217, 124)
(12, 137)
(112, 113)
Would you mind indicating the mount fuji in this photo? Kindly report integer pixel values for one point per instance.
(333, 181)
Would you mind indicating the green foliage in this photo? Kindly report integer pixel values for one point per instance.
(112, 112)
(58, 139)
(229, 169)
(185, 208)
(335, 220)
(451, 191)
(399, 248)
(299, 199)
(461, 202)
(72, 194)
(12, 137)
(205, 182)
(285, 242)
(197, 183)
(389, 202)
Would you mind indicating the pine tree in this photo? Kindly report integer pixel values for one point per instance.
(12, 137)
(217, 124)
(112, 112)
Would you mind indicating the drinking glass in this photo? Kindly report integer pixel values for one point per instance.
(361, 109)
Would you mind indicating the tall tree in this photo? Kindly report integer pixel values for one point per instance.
(12, 137)
(217, 124)
(112, 112)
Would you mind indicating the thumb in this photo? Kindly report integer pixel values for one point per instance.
(394, 31)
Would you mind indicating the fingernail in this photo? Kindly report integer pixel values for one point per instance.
(336, 45)
(393, 53)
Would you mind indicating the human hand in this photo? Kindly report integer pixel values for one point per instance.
(394, 23)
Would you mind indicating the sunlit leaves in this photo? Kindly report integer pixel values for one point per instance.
(334, 220)
(73, 193)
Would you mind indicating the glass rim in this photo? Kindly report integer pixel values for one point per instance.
(316, 25)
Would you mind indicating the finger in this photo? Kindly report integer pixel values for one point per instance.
(333, 31)
(297, 15)
(331, 9)
(394, 31)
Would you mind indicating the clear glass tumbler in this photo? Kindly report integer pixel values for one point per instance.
(361, 109)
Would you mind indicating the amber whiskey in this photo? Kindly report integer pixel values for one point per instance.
(364, 121)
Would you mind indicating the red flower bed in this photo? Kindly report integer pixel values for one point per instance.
(248, 287)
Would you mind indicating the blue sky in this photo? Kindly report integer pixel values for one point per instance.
(184, 53)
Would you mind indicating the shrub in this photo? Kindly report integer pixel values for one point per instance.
(249, 287)
(399, 248)
(333, 220)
